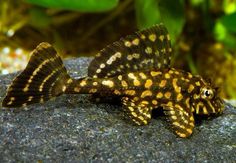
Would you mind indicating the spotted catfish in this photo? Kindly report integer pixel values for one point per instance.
(135, 69)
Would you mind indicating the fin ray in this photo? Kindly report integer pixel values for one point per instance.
(182, 121)
(137, 111)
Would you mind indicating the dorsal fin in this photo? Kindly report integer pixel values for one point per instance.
(143, 50)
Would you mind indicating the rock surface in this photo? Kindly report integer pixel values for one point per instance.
(71, 128)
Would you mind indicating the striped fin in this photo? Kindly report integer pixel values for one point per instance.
(138, 112)
(142, 50)
(181, 120)
(43, 78)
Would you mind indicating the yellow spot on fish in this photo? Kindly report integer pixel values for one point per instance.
(128, 44)
(132, 76)
(129, 57)
(83, 83)
(148, 83)
(143, 36)
(148, 50)
(95, 83)
(161, 37)
(155, 73)
(136, 55)
(124, 83)
(136, 83)
(141, 118)
(102, 65)
(154, 102)
(130, 92)
(135, 41)
(205, 110)
(167, 95)
(167, 76)
(190, 131)
(11, 100)
(172, 112)
(69, 81)
(117, 55)
(145, 122)
(179, 107)
(146, 93)
(26, 88)
(152, 37)
(120, 77)
(117, 92)
(113, 58)
(190, 88)
(198, 83)
(195, 96)
(131, 108)
(191, 118)
(190, 75)
(159, 95)
(176, 87)
(179, 97)
(145, 102)
(63, 88)
(98, 71)
(187, 102)
(134, 114)
(169, 104)
(163, 83)
(182, 135)
(157, 53)
(76, 89)
(108, 83)
(142, 75)
(177, 72)
(171, 71)
(176, 124)
(93, 90)
(173, 117)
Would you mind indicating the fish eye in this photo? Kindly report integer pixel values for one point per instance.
(207, 93)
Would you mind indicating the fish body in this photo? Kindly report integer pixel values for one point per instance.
(136, 69)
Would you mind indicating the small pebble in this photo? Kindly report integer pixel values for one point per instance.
(12, 60)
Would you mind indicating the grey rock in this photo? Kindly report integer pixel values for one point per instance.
(71, 128)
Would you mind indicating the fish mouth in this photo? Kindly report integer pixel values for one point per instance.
(220, 105)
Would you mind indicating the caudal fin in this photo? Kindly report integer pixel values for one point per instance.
(43, 78)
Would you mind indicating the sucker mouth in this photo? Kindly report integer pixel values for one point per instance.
(221, 104)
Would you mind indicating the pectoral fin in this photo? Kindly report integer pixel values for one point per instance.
(138, 111)
(181, 120)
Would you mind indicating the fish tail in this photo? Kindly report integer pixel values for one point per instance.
(44, 77)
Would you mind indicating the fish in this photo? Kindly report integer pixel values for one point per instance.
(136, 69)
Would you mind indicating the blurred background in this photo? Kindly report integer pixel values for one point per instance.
(203, 32)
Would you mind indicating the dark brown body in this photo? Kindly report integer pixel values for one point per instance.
(156, 87)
